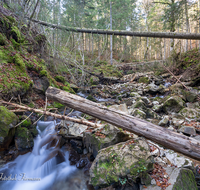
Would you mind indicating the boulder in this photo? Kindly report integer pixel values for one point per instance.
(164, 121)
(41, 84)
(8, 120)
(190, 113)
(137, 113)
(173, 104)
(23, 138)
(154, 89)
(71, 128)
(188, 130)
(103, 137)
(124, 161)
(179, 179)
(177, 120)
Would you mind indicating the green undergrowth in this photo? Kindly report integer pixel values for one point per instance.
(17, 65)
(189, 59)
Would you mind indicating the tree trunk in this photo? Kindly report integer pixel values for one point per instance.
(123, 32)
(165, 137)
(111, 56)
(33, 13)
(187, 23)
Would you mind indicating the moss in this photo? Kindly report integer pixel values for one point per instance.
(2, 40)
(57, 105)
(60, 78)
(26, 123)
(19, 61)
(91, 98)
(6, 119)
(185, 181)
(11, 19)
(144, 80)
(17, 33)
(43, 73)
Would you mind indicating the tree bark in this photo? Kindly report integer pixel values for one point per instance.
(169, 139)
(81, 121)
(123, 32)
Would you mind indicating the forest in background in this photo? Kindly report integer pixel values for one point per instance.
(133, 15)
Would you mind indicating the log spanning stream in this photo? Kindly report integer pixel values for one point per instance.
(46, 167)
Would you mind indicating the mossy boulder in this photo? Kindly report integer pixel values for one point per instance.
(137, 113)
(23, 138)
(173, 104)
(190, 113)
(7, 122)
(121, 162)
(104, 137)
(144, 80)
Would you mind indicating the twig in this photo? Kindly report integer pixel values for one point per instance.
(45, 109)
(20, 102)
(179, 80)
(85, 122)
(23, 120)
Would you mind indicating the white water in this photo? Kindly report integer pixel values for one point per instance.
(37, 170)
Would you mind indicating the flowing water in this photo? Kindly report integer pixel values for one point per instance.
(46, 167)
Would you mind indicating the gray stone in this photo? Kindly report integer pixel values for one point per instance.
(189, 130)
(41, 84)
(173, 104)
(120, 108)
(190, 113)
(127, 159)
(110, 135)
(164, 121)
(137, 113)
(153, 89)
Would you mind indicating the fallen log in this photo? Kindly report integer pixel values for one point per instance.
(81, 121)
(192, 36)
(169, 139)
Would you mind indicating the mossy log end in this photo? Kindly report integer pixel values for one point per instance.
(169, 139)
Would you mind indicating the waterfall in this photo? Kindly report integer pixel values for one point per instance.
(42, 168)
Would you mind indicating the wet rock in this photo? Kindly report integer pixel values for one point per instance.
(23, 138)
(127, 159)
(164, 121)
(188, 130)
(190, 113)
(82, 163)
(173, 104)
(102, 138)
(8, 120)
(179, 178)
(60, 157)
(74, 157)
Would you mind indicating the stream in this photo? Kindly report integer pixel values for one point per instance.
(46, 167)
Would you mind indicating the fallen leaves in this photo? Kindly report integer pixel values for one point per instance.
(160, 176)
